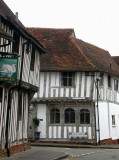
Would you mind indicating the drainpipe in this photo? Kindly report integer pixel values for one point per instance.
(95, 126)
(98, 130)
(9, 100)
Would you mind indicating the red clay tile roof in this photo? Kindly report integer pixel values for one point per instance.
(64, 52)
(116, 58)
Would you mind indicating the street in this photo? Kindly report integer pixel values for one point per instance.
(92, 154)
(52, 153)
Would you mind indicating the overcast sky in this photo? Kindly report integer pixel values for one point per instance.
(94, 21)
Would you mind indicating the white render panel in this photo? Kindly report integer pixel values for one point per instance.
(55, 132)
(72, 92)
(67, 92)
(53, 79)
(103, 120)
(114, 110)
(59, 131)
(65, 132)
(107, 130)
(89, 133)
(83, 84)
(41, 88)
(77, 81)
(41, 114)
(61, 92)
(88, 85)
(47, 84)
(50, 131)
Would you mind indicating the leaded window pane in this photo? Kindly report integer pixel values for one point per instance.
(54, 116)
(84, 116)
(69, 116)
(68, 79)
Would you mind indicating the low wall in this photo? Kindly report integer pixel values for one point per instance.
(15, 149)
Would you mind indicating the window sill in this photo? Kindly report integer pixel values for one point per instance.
(113, 125)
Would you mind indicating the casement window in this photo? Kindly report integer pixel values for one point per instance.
(1, 93)
(67, 79)
(113, 120)
(109, 81)
(15, 47)
(54, 116)
(69, 115)
(115, 84)
(84, 116)
(32, 59)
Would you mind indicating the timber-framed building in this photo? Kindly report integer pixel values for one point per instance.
(78, 89)
(19, 77)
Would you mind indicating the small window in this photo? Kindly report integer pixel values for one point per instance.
(84, 116)
(1, 92)
(69, 116)
(113, 120)
(15, 47)
(32, 59)
(115, 84)
(68, 79)
(109, 81)
(55, 116)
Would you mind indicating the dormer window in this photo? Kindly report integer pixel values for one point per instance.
(68, 79)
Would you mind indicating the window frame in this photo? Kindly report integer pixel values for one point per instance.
(113, 120)
(84, 112)
(69, 112)
(68, 78)
(53, 117)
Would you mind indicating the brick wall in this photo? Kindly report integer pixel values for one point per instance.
(109, 141)
(15, 149)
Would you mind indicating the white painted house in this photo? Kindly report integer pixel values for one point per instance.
(19, 80)
(78, 90)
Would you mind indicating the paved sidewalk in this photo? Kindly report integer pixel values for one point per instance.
(36, 154)
(112, 146)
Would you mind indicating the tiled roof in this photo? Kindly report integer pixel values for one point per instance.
(5, 11)
(9, 17)
(64, 52)
(116, 58)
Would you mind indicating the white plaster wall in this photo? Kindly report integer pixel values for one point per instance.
(114, 110)
(41, 114)
(50, 86)
(103, 120)
(106, 110)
